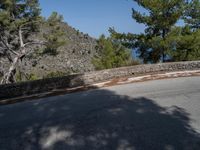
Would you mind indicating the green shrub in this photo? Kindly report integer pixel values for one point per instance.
(111, 55)
(55, 74)
(31, 77)
(20, 76)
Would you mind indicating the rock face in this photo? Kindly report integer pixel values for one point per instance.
(73, 57)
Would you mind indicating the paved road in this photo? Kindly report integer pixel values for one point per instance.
(154, 115)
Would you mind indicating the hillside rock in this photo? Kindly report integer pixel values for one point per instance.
(73, 57)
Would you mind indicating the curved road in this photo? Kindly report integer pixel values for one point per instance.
(153, 115)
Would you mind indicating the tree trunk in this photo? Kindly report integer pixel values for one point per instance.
(9, 77)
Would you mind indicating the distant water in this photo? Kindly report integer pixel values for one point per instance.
(135, 55)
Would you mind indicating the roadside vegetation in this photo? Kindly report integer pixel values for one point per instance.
(111, 54)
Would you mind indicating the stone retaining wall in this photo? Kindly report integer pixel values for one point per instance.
(39, 86)
(103, 75)
(45, 85)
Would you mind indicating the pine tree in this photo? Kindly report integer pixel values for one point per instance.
(185, 44)
(160, 17)
(192, 14)
(185, 41)
(55, 36)
(110, 54)
(19, 19)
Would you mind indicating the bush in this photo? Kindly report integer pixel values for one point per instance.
(111, 55)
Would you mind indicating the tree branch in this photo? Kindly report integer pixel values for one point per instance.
(20, 37)
(2, 49)
(22, 25)
(6, 45)
(14, 52)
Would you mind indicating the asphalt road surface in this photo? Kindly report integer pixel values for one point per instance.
(153, 115)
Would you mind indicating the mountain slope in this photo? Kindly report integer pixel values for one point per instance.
(73, 57)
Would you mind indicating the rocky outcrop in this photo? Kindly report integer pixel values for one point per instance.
(73, 57)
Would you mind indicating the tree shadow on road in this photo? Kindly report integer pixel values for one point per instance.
(96, 120)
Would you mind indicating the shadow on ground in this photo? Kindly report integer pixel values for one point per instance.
(95, 120)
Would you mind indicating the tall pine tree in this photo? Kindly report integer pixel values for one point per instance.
(159, 18)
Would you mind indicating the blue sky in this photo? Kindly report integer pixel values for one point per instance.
(95, 16)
